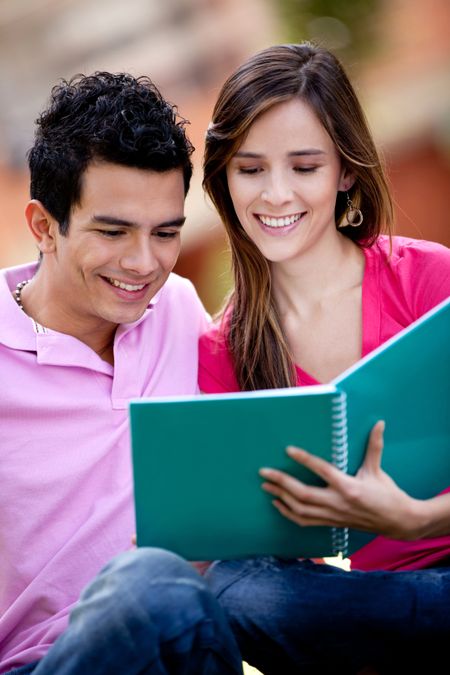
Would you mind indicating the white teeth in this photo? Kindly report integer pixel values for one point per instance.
(279, 222)
(125, 287)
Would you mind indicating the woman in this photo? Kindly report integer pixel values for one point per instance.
(292, 169)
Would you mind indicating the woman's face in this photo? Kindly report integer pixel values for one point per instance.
(284, 180)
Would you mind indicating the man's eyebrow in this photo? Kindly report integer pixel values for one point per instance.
(295, 153)
(122, 222)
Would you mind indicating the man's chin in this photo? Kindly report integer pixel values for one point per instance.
(128, 315)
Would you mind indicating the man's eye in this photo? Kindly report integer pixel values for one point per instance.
(111, 234)
(162, 234)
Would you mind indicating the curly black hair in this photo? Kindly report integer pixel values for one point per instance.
(108, 117)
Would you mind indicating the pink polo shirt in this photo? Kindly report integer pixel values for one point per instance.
(66, 504)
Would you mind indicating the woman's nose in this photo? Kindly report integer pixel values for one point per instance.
(277, 189)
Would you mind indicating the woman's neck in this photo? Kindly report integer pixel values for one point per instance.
(317, 276)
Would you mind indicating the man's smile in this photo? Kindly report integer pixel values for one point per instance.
(125, 285)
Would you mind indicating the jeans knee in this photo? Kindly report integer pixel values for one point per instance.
(135, 575)
(150, 563)
(150, 587)
(168, 590)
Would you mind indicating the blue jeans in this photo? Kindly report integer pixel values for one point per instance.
(295, 617)
(149, 613)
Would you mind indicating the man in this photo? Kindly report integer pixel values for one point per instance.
(98, 321)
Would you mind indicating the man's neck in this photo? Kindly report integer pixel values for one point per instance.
(35, 300)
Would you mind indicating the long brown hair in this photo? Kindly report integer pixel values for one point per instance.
(313, 74)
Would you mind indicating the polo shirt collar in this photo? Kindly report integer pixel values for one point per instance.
(19, 331)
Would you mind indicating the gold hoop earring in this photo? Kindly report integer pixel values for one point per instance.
(353, 216)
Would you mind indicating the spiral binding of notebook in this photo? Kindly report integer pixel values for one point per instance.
(339, 457)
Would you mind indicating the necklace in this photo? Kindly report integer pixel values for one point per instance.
(18, 292)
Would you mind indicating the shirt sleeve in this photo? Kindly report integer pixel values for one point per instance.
(216, 371)
(424, 268)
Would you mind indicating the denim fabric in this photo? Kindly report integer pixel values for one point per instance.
(295, 617)
(23, 670)
(149, 613)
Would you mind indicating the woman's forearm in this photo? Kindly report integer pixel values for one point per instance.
(432, 517)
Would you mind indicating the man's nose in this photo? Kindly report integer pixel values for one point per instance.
(139, 257)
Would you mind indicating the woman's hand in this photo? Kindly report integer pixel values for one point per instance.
(369, 501)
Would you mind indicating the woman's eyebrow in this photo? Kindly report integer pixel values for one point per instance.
(243, 154)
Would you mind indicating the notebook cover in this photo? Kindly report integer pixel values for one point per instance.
(406, 382)
(217, 444)
(196, 461)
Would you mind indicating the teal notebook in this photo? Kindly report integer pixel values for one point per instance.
(196, 459)
(406, 382)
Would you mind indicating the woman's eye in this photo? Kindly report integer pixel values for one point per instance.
(249, 170)
(305, 169)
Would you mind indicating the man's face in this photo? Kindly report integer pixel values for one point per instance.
(122, 243)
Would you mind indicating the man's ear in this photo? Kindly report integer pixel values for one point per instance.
(42, 225)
